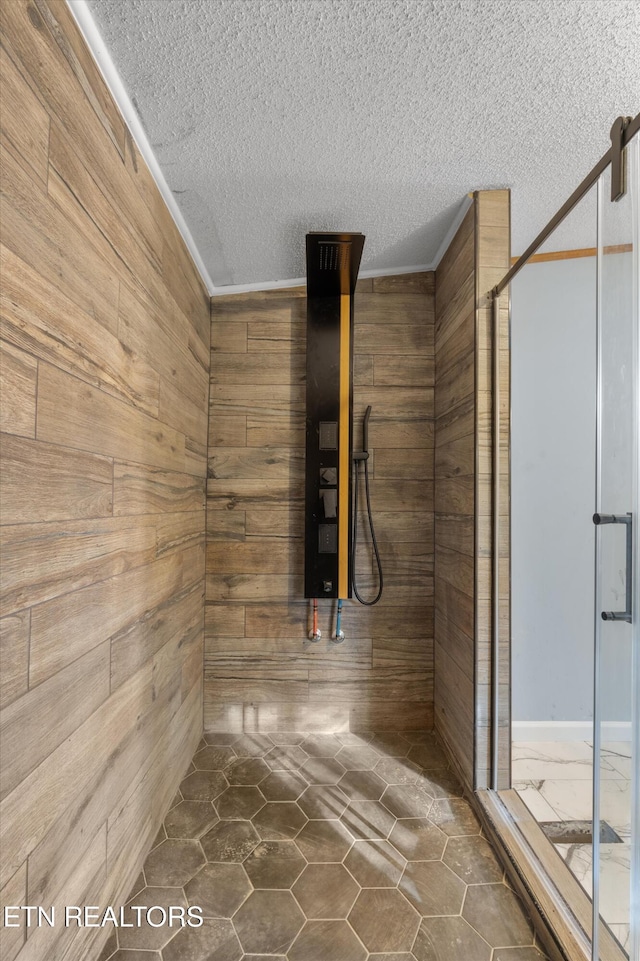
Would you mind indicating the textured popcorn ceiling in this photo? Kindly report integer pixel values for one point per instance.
(270, 118)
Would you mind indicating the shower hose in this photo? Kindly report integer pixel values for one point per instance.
(373, 534)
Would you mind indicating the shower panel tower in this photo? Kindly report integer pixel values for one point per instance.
(333, 260)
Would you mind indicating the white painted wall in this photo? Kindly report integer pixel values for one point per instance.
(553, 487)
(553, 463)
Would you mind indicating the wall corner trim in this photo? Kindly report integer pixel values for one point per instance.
(87, 25)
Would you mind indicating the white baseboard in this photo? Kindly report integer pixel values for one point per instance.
(568, 730)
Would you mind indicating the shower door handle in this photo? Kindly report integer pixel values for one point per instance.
(621, 519)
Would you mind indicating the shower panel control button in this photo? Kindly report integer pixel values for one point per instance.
(330, 502)
(328, 435)
(328, 539)
(329, 476)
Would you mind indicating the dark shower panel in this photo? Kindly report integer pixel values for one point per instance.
(333, 260)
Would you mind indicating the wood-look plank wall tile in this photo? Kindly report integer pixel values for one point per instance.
(147, 490)
(403, 495)
(226, 525)
(261, 483)
(456, 384)
(254, 369)
(456, 531)
(421, 282)
(24, 124)
(455, 495)
(253, 588)
(394, 339)
(66, 33)
(458, 645)
(494, 208)
(363, 370)
(163, 637)
(41, 561)
(459, 344)
(187, 288)
(412, 464)
(105, 613)
(250, 399)
(287, 522)
(86, 618)
(67, 772)
(454, 698)
(14, 893)
(292, 651)
(458, 260)
(38, 317)
(404, 527)
(53, 859)
(452, 312)
(18, 385)
(390, 620)
(179, 411)
(37, 231)
(227, 620)
(253, 684)
(83, 885)
(72, 188)
(44, 482)
(32, 727)
(271, 336)
(182, 532)
(405, 653)
(456, 423)
(227, 430)
(14, 656)
(248, 494)
(229, 337)
(266, 429)
(455, 457)
(403, 371)
(391, 716)
(454, 604)
(376, 684)
(455, 467)
(263, 556)
(140, 330)
(394, 308)
(245, 463)
(89, 418)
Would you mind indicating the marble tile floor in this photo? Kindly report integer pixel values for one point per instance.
(554, 779)
(326, 847)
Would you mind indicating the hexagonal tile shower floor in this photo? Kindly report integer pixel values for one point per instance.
(341, 847)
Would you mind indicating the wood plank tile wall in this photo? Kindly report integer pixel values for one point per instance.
(493, 258)
(261, 672)
(476, 259)
(105, 370)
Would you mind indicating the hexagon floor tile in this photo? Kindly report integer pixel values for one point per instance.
(325, 891)
(327, 941)
(219, 889)
(274, 864)
(268, 922)
(329, 847)
(384, 921)
(375, 863)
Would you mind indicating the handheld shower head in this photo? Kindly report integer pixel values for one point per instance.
(365, 430)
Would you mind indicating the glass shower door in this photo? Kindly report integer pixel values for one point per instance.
(617, 625)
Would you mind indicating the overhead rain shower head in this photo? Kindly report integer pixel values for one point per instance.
(333, 261)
